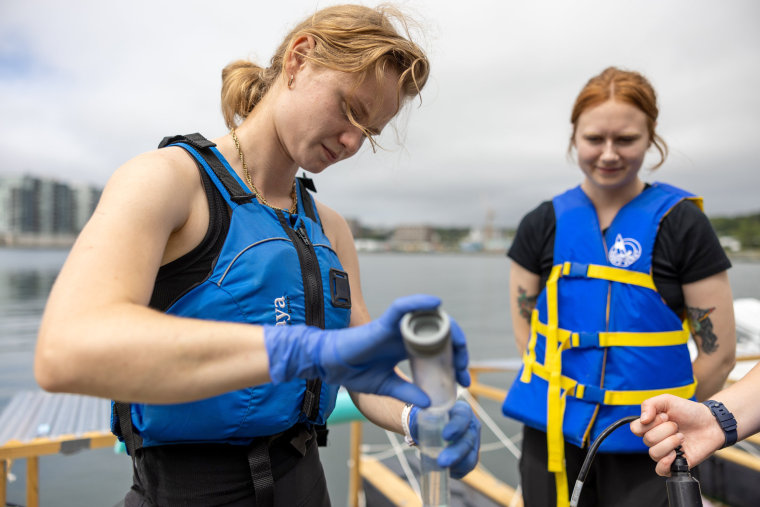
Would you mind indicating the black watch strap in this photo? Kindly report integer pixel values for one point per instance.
(725, 419)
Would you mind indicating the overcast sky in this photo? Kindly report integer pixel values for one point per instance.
(86, 85)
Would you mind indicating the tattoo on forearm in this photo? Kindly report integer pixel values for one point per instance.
(702, 326)
(525, 303)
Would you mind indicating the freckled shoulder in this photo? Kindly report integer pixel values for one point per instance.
(172, 163)
(335, 226)
(339, 233)
(160, 185)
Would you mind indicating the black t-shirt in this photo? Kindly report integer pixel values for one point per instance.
(686, 249)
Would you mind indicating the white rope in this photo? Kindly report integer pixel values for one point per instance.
(399, 451)
(486, 419)
(491, 446)
(383, 454)
(517, 497)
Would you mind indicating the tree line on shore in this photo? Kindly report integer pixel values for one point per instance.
(744, 228)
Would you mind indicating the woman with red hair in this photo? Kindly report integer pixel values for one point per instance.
(608, 282)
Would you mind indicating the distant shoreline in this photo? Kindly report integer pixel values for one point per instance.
(745, 255)
(38, 241)
(66, 241)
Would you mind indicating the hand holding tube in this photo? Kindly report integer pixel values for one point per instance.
(361, 358)
(461, 358)
(463, 433)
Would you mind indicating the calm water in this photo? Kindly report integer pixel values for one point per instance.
(473, 289)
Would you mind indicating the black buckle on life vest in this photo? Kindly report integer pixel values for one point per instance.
(307, 182)
(322, 432)
(340, 289)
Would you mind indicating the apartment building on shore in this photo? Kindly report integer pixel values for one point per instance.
(37, 211)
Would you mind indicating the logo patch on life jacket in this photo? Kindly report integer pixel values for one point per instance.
(282, 311)
(624, 252)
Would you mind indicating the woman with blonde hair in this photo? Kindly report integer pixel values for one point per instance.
(209, 293)
(606, 281)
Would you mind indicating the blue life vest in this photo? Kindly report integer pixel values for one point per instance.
(274, 268)
(602, 338)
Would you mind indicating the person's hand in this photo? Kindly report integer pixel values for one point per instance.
(361, 358)
(463, 433)
(668, 421)
(461, 357)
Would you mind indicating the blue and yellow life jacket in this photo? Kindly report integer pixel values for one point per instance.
(274, 268)
(602, 339)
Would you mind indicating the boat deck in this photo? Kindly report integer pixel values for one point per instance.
(36, 423)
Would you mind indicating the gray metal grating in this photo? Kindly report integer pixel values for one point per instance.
(34, 414)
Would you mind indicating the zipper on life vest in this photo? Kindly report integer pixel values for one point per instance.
(592, 421)
(314, 308)
(312, 280)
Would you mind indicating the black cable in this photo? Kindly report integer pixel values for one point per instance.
(683, 489)
(590, 456)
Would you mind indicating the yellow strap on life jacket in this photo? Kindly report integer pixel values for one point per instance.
(560, 477)
(566, 383)
(696, 200)
(614, 275)
(660, 339)
(614, 339)
(530, 356)
(572, 387)
(638, 397)
(555, 399)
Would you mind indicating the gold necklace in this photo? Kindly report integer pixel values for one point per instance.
(249, 180)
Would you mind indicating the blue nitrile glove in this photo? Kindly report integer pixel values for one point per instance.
(360, 358)
(463, 431)
(461, 358)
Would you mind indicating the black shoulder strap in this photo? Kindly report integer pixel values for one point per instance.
(306, 183)
(203, 146)
(195, 140)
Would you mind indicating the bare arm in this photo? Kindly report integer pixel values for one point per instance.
(710, 311)
(381, 410)
(98, 336)
(735, 398)
(523, 292)
(667, 422)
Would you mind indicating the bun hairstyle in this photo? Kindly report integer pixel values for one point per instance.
(349, 38)
(624, 86)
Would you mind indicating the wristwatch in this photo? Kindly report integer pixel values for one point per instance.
(725, 419)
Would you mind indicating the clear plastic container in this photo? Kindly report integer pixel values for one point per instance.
(434, 480)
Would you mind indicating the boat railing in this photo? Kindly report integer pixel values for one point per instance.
(37, 423)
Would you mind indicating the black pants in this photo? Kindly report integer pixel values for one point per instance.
(614, 480)
(218, 475)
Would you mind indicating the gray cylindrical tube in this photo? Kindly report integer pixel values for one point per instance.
(427, 338)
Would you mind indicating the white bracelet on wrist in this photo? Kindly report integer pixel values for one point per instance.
(405, 424)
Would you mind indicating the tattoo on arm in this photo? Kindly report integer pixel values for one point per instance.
(702, 326)
(525, 303)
